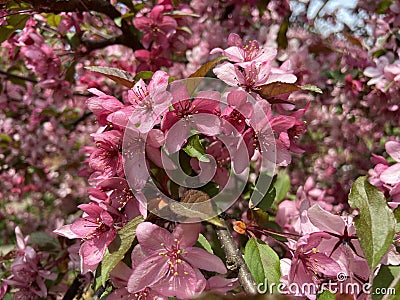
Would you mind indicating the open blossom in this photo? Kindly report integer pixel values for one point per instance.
(309, 264)
(96, 228)
(156, 27)
(151, 60)
(146, 104)
(254, 75)
(244, 53)
(28, 276)
(121, 197)
(386, 176)
(192, 115)
(107, 159)
(238, 110)
(171, 264)
(102, 105)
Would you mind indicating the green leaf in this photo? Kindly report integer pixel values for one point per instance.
(73, 39)
(282, 186)
(383, 6)
(281, 39)
(311, 88)
(118, 21)
(53, 19)
(116, 251)
(194, 148)
(14, 22)
(375, 224)
(143, 75)
(204, 243)
(267, 200)
(384, 279)
(119, 76)
(185, 29)
(396, 213)
(178, 14)
(262, 261)
(5, 140)
(326, 295)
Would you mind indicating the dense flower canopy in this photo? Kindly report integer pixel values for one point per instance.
(171, 148)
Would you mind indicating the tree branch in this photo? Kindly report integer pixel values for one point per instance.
(13, 76)
(128, 38)
(235, 260)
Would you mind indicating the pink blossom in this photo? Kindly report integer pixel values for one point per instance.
(238, 110)
(106, 158)
(309, 264)
(151, 60)
(186, 111)
(253, 75)
(102, 105)
(121, 197)
(96, 228)
(147, 103)
(240, 53)
(222, 159)
(156, 27)
(28, 275)
(171, 263)
(120, 276)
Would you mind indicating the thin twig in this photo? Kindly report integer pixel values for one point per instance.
(235, 260)
(11, 75)
(391, 287)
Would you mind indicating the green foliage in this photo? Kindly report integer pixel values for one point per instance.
(383, 280)
(282, 38)
(262, 261)
(53, 19)
(326, 295)
(14, 22)
(282, 186)
(204, 243)
(375, 224)
(194, 148)
(143, 75)
(117, 250)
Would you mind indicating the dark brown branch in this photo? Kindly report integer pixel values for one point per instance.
(128, 38)
(13, 76)
(235, 260)
(76, 288)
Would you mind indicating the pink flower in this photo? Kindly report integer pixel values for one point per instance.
(102, 105)
(222, 159)
(121, 197)
(392, 174)
(106, 158)
(186, 111)
(147, 103)
(253, 75)
(268, 132)
(120, 276)
(251, 51)
(96, 228)
(311, 265)
(151, 60)
(28, 276)
(171, 264)
(156, 28)
(238, 110)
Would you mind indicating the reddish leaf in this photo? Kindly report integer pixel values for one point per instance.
(277, 88)
(117, 75)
